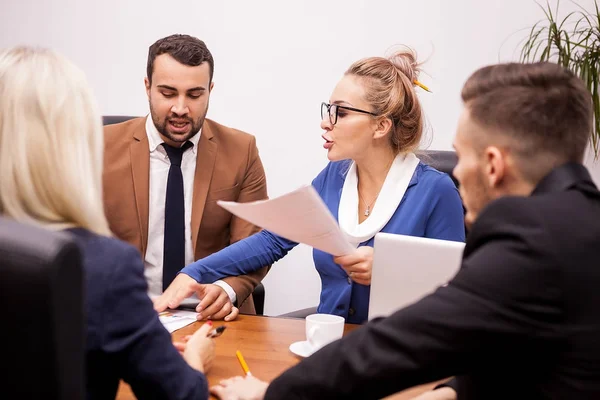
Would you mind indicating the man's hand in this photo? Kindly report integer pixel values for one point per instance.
(239, 388)
(214, 301)
(443, 393)
(358, 265)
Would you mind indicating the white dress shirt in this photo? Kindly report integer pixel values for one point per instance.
(159, 172)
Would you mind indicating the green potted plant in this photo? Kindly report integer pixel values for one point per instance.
(574, 42)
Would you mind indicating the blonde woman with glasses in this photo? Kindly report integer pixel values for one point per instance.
(51, 161)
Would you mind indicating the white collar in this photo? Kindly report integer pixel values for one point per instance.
(155, 140)
(396, 182)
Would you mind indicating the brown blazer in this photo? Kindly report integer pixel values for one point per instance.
(228, 167)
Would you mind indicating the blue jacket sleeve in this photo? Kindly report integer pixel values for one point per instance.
(240, 258)
(446, 220)
(139, 345)
(247, 255)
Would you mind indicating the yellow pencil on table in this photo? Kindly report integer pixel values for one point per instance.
(240, 358)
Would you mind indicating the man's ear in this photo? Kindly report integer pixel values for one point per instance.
(495, 165)
(383, 127)
(212, 84)
(147, 84)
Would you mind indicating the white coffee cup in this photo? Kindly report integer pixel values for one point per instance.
(322, 329)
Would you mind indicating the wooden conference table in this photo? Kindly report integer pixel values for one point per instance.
(264, 342)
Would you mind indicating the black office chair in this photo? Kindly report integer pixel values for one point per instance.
(41, 298)
(258, 294)
(115, 119)
(442, 160)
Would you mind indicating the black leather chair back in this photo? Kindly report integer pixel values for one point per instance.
(115, 119)
(42, 302)
(442, 160)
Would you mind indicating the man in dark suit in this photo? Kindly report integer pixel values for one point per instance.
(168, 209)
(521, 318)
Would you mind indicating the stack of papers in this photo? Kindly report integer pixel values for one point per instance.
(176, 319)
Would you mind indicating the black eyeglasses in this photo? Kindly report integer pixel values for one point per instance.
(333, 109)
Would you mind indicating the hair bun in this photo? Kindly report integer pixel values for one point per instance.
(405, 60)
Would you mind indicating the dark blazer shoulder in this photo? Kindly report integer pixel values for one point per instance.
(521, 212)
(521, 231)
(505, 211)
(98, 249)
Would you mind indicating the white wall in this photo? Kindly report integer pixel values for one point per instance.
(275, 62)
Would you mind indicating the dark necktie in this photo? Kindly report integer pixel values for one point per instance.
(174, 250)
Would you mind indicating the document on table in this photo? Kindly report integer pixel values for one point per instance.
(300, 216)
(176, 319)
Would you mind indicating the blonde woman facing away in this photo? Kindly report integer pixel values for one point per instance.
(374, 183)
(51, 162)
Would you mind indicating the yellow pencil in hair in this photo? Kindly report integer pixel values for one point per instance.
(419, 84)
(240, 358)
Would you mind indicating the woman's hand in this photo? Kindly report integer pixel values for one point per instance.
(443, 393)
(182, 287)
(214, 300)
(240, 388)
(182, 344)
(199, 351)
(358, 265)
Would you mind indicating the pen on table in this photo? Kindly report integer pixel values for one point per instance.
(243, 363)
(187, 307)
(216, 332)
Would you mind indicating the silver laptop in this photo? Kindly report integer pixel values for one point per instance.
(406, 268)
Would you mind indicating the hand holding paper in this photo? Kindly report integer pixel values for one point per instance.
(301, 216)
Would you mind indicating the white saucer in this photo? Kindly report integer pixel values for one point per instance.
(301, 349)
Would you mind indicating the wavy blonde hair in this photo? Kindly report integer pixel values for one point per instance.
(50, 143)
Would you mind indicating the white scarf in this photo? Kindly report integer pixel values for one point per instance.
(391, 193)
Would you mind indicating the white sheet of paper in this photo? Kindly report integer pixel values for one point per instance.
(176, 319)
(300, 216)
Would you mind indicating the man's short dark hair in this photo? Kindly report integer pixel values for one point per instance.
(543, 109)
(186, 49)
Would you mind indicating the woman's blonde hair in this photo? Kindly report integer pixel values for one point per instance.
(51, 143)
(390, 89)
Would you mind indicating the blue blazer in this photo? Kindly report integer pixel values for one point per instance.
(431, 207)
(125, 339)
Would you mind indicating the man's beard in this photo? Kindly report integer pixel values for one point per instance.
(480, 197)
(161, 126)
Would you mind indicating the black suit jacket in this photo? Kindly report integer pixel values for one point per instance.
(521, 319)
(125, 339)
